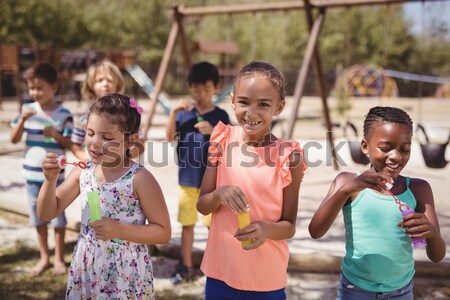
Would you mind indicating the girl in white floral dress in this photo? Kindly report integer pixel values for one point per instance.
(111, 259)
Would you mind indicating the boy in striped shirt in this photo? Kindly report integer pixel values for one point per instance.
(47, 126)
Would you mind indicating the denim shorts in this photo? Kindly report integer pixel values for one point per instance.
(348, 291)
(219, 290)
(33, 192)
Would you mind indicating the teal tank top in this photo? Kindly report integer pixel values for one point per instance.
(379, 255)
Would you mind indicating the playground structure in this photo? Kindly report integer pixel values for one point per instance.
(229, 55)
(311, 54)
(365, 80)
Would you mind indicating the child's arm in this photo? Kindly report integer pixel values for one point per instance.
(345, 186)
(285, 228)
(424, 223)
(64, 141)
(79, 152)
(151, 199)
(171, 132)
(51, 200)
(211, 198)
(17, 131)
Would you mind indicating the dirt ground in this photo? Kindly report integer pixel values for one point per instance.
(18, 251)
(18, 245)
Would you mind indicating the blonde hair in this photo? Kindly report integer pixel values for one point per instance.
(87, 89)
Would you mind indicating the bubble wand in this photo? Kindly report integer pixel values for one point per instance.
(62, 163)
(406, 210)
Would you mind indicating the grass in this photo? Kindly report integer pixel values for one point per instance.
(17, 283)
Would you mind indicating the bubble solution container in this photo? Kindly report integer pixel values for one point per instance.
(417, 242)
(244, 221)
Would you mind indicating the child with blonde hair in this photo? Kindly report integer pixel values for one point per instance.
(102, 78)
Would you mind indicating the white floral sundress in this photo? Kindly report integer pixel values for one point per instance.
(114, 269)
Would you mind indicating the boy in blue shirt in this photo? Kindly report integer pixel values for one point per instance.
(48, 127)
(191, 123)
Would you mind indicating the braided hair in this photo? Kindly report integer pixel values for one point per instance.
(385, 114)
(267, 70)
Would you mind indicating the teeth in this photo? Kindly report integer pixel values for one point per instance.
(252, 123)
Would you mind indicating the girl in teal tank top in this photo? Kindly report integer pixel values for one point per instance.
(379, 256)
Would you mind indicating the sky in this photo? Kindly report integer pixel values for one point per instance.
(416, 11)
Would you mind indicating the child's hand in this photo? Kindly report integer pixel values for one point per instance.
(27, 113)
(183, 105)
(105, 229)
(254, 232)
(204, 127)
(369, 179)
(49, 131)
(50, 167)
(233, 198)
(417, 226)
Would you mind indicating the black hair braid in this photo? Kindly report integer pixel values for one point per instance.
(385, 114)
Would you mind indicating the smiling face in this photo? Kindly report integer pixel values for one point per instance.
(41, 91)
(389, 147)
(105, 142)
(255, 102)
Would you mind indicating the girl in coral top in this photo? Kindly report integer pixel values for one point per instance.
(250, 169)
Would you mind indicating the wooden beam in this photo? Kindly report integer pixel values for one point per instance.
(240, 8)
(184, 45)
(303, 72)
(321, 86)
(348, 3)
(162, 71)
(280, 6)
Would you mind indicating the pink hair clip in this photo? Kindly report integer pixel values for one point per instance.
(134, 104)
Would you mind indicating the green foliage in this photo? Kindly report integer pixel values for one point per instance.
(373, 34)
(55, 23)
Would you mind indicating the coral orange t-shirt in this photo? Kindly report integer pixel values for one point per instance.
(261, 173)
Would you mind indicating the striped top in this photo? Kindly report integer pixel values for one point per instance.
(36, 144)
(79, 129)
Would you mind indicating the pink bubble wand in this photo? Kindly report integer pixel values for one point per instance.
(406, 210)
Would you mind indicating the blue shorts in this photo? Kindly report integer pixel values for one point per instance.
(33, 192)
(219, 290)
(347, 291)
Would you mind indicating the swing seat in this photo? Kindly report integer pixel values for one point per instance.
(355, 146)
(433, 153)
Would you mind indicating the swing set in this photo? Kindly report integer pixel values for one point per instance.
(311, 57)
